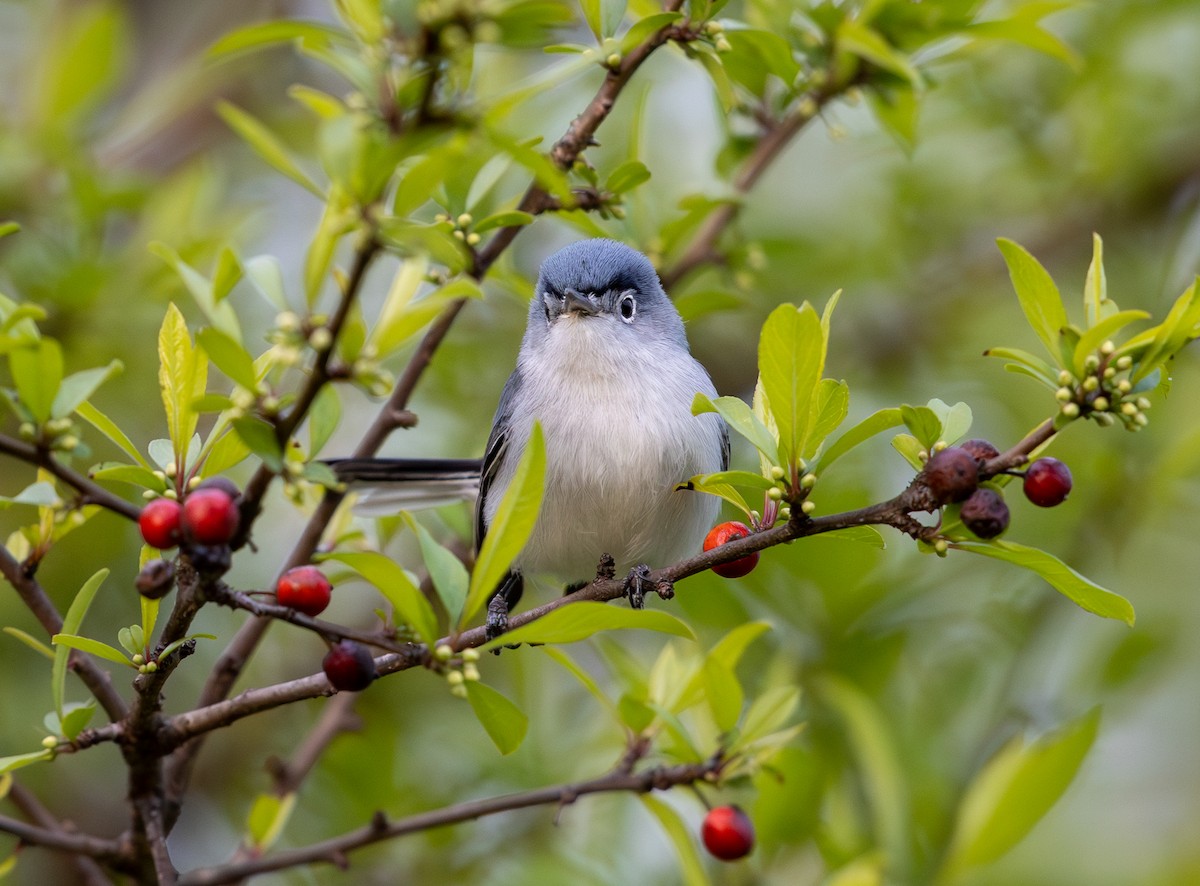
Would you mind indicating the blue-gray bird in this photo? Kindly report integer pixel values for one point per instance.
(604, 366)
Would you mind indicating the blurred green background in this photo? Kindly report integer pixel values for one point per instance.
(109, 141)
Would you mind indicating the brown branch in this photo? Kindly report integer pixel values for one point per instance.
(97, 680)
(90, 873)
(89, 491)
(334, 851)
(61, 840)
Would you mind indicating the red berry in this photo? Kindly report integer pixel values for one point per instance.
(728, 833)
(1047, 482)
(210, 517)
(951, 475)
(722, 533)
(985, 513)
(349, 666)
(305, 589)
(160, 523)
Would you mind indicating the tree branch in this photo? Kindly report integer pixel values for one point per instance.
(90, 873)
(89, 491)
(334, 851)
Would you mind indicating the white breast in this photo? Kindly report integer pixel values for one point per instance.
(620, 436)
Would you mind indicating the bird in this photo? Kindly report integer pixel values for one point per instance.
(604, 366)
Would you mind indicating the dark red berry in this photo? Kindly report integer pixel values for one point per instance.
(210, 559)
(727, 833)
(210, 517)
(349, 666)
(224, 484)
(1047, 482)
(951, 475)
(161, 522)
(980, 450)
(985, 513)
(305, 589)
(156, 579)
(722, 533)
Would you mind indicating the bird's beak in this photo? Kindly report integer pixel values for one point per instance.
(579, 303)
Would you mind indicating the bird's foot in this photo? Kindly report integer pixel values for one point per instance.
(635, 586)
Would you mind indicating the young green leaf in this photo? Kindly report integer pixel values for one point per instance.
(75, 718)
(833, 403)
(578, 621)
(37, 372)
(791, 357)
(512, 525)
(229, 357)
(582, 676)
(109, 429)
(503, 721)
(32, 642)
(266, 145)
(1095, 289)
(76, 388)
(8, 764)
(1065, 580)
(1014, 790)
(268, 816)
(741, 418)
(264, 34)
(87, 644)
(1102, 331)
(393, 582)
(1039, 297)
(691, 869)
(873, 424)
(1027, 364)
(449, 575)
(182, 378)
(71, 624)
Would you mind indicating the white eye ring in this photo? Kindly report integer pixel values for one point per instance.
(627, 308)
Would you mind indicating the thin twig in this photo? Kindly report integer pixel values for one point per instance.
(90, 872)
(89, 491)
(334, 851)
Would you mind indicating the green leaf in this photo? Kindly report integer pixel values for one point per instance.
(583, 677)
(723, 693)
(271, 33)
(37, 372)
(925, 424)
(791, 357)
(1026, 363)
(1039, 297)
(259, 437)
(627, 176)
(512, 219)
(76, 388)
(757, 54)
(87, 644)
(1181, 325)
(1027, 34)
(268, 817)
(1102, 331)
(644, 28)
(691, 869)
(511, 526)
(323, 418)
(41, 494)
(32, 642)
(449, 575)
(591, 15)
(266, 275)
(182, 378)
(956, 420)
(768, 713)
(109, 429)
(1014, 790)
(71, 624)
(879, 764)
(203, 291)
(867, 535)
(833, 404)
(9, 227)
(578, 621)
(266, 145)
(226, 274)
(393, 582)
(741, 418)
(8, 764)
(1095, 288)
(873, 424)
(1063, 578)
(869, 45)
(229, 357)
(503, 721)
(75, 718)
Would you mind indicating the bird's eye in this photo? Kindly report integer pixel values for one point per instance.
(628, 308)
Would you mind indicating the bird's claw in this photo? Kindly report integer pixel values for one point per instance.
(635, 586)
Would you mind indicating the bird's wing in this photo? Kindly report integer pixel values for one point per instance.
(494, 455)
(387, 486)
